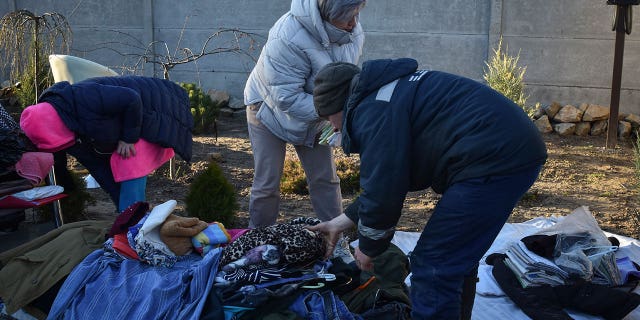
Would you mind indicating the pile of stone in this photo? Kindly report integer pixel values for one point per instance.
(584, 120)
(231, 106)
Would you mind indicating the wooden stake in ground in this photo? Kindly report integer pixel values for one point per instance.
(621, 25)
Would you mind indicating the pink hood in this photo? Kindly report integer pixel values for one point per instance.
(43, 126)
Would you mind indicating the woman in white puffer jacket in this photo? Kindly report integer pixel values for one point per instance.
(280, 110)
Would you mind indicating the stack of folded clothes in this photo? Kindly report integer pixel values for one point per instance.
(532, 269)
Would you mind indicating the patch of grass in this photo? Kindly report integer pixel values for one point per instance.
(529, 197)
(607, 194)
(595, 177)
(348, 169)
(294, 181)
(181, 168)
(635, 216)
(636, 160)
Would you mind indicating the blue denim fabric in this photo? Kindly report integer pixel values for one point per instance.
(132, 191)
(316, 305)
(122, 194)
(465, 222)
(103, 286)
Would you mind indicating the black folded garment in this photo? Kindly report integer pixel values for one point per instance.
(547, 302)
(13, 186)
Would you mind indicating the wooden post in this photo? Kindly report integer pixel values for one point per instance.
(612, 130)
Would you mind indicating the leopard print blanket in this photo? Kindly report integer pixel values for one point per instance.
(297, 245)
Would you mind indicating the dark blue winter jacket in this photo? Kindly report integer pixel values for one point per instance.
(416, 129)
(107, 109)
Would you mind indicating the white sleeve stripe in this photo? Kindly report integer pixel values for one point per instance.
(385, 92)
(375, 234)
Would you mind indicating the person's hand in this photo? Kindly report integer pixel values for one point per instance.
(126, 150)
(332, 231)
(363, 261)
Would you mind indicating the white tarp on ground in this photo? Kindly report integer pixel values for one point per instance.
(490, 302)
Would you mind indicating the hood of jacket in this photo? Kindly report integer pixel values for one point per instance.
(308, 14)
(298, 40)
(374, 75)
(44, 127)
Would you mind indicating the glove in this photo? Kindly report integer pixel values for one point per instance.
(176, 233)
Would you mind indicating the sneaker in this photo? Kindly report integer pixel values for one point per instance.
(343, 251)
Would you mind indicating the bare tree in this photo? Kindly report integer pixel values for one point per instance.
(26, 37)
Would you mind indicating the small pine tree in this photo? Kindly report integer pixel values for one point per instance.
(211, 197)
(505, 76)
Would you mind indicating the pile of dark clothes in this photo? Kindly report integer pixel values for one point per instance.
(13, 143)
(546, 302)
(80, 275)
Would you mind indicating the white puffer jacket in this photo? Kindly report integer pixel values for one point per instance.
(297, 47)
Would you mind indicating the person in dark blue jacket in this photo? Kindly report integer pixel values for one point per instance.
(416, 129)
(120, 128)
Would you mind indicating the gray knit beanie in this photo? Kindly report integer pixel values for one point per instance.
(331, 87)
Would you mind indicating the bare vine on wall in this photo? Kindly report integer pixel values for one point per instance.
(235, 43)
(161, 53)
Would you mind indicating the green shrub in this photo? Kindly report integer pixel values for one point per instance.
(74, 206)
(348, 169)
(635, 214)
(636, 159)
(211, 197)
(293, 180)
(204, 110)
(505, 76)
(26, 93)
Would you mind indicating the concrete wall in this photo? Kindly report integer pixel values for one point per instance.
(567, 46)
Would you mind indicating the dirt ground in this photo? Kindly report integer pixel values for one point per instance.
(580, 171)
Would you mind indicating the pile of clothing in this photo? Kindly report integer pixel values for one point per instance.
(151, 263)
(23, 171)
(569, 265)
